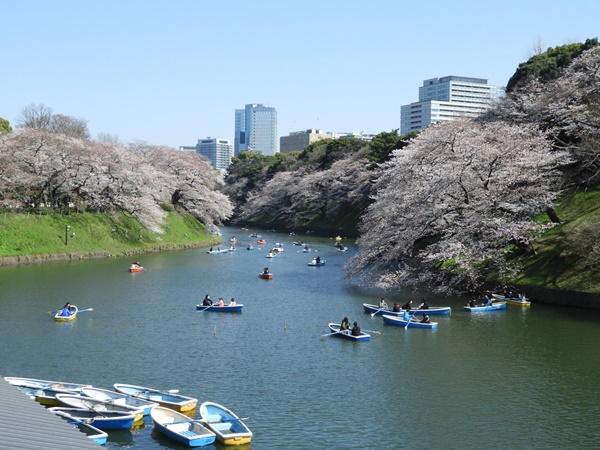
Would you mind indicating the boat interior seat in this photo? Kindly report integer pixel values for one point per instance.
(188, 433)
(224, 426)
(213, 417)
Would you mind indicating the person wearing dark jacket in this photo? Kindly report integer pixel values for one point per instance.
(356, 330)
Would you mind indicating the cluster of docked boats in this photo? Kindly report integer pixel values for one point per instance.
(95, 411)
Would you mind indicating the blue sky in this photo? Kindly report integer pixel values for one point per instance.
(173, 72)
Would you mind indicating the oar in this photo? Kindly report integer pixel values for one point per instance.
(329, 334)
(371, 331)
(410, 316)
(380, 309)
(209, 306)
(85, 310)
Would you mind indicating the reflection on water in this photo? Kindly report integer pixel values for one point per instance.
(521, 378)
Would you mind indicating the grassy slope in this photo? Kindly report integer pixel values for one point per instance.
(44, 234)
(552, 267)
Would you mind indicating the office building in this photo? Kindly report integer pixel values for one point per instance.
(218, 151)
(299, 140)
(256, 129)
(448, 98)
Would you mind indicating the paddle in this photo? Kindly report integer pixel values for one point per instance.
(85, 310)
(329, 334)
(410, 316)
(206, 307)
(371, 331)
(380, 309)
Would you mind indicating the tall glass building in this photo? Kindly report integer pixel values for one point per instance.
(256, 129)
(448, 98)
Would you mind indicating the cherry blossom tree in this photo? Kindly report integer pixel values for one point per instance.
(453, 201)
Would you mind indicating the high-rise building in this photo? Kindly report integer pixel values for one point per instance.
(448, 98)
(218, 151)
(256, 129)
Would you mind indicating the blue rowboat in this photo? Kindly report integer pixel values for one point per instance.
(229, 428)
(181, 428)
(217, 308)
(217, 252)
(116, 398)
(103, 420)
(496, 306)
(168, 399)
(432, 311)
(346, 334)
(401, 322)
(83, 402)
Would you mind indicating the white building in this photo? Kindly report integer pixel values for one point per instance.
(218, 151)
(448, 98)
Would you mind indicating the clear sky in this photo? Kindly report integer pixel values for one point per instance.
(172, 72)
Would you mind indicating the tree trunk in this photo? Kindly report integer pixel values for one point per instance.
(553, 216)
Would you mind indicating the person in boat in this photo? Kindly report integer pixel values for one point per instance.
(266, 271)
(356, 330)
(232, 302)
(345, 324)
(221, 302)
(424, 305)
(407, 306)
(318, 259)
(66, 310)
(382, 304)
(396, 307)
(407, 315)
(425, 318)
(472, 303)
(211, 249)
(487, 301)
(207, 301)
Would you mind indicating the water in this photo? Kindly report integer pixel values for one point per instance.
(520, 378)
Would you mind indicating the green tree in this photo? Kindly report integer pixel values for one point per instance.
(547, 65)
(5, 126)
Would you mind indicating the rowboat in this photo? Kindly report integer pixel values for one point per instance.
(167, 399)
(271, 254)
(249, 247)
(181, 428)
(402, 322)
(105, 420)
(225, 308)
(516, 301)
(496, 306)
(135, 268)
(306, 249)
(346, 334)
(229, 428)
(317, 263)
(261, 242)
(83, 402)
(116, 398)
(34, 383)
(58, 317)
(299, 243)
(218, 251)
(47, 397)
(266, 276)
(93, 433)
(432, 311)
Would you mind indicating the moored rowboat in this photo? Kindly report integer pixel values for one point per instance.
(402, 322)
(167, 399)
(34, 383)
(432, 311)
(347, 334)
(181, 428)
(83, 402)
(117, 398)
(105, 420)
(229, 428)
(93, 433)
